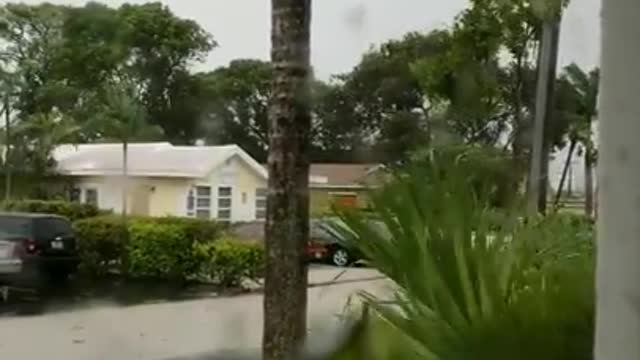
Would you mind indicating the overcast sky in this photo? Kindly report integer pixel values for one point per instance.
(343, 29)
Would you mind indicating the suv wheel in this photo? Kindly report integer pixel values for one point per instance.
(340, 257)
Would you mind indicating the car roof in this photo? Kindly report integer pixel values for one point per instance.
(27, 215)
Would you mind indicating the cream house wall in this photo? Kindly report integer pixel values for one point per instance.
(243, 180)
(169, 196)
(165, 196)
(146, 196)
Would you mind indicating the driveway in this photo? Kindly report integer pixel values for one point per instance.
(188, 329)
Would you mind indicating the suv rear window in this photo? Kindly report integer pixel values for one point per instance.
(51, 227)
(15, 226)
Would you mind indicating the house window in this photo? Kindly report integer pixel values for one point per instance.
(75, 195)
(191, 203)
(199, 202)
(224, 203)
(91, 196)
(261, 204)
(203, 202)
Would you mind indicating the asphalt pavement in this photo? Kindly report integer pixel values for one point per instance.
(193, 326)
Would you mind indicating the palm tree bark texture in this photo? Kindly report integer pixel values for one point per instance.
(287, 224)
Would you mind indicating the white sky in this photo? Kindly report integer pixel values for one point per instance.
(343, 29)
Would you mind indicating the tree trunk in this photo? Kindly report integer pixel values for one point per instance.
(125, 178)
(588, 184)
(547, 61)
(618, 268)
(7, 154)
(570, 183)
(565, 172)
(287, 225)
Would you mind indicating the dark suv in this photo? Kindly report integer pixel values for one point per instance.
(45, 243)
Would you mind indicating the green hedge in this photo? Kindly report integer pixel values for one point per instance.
(101, 244)
(228, 261)
(195, 229)
(70, 210)
(174, 249)
(161, 251)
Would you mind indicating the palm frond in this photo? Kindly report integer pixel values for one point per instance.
(466, 288)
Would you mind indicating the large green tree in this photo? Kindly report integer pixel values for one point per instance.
(162, 46)
(236, 104)
(65, 55)
(31, 36)
(386, 99)
(239, 105)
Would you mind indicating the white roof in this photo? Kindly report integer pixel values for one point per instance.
(148, 159)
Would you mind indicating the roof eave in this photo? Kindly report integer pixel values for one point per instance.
(130, 174)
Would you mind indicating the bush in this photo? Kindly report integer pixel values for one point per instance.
(164, 248)
(101, 244)
(229, 262)
(71, 210)
(488, 171)
(160, 251)
(197, 230)
(496, 288)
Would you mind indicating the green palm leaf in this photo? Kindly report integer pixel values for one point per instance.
(466, 288)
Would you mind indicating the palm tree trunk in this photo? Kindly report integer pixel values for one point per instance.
(565, 171)
(7, 154)
(588, 184)
(125, 178)
(618, 268)
(539, 167)
(287, 224)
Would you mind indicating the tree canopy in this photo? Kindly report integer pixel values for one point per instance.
(472, 82)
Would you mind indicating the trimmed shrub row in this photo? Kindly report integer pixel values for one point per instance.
(170, 248)
(70, 210)
(167, 248)
(228, 262)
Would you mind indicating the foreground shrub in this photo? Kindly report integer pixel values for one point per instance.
(486, 170)
(229, 262)
(101, 244)
(468, 289)
(161, 251)
(71, 210)
(194, 229)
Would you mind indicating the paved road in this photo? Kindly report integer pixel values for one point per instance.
(96, 329)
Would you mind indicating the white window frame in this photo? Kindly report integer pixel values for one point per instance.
(75, 195)
(224, 208)
(82, 194)
(191, 202)
(85, 193)
(194, 198)
(260, 209)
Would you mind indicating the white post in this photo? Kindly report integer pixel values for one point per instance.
(618, 263)
(125, 178)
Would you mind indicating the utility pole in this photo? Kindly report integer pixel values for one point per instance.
(547, 62)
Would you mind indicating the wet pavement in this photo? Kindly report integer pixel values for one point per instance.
(154, 322)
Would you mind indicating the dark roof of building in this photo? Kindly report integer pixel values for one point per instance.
(337, 175)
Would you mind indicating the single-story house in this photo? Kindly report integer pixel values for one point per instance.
(342, 184)
(218, 182)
